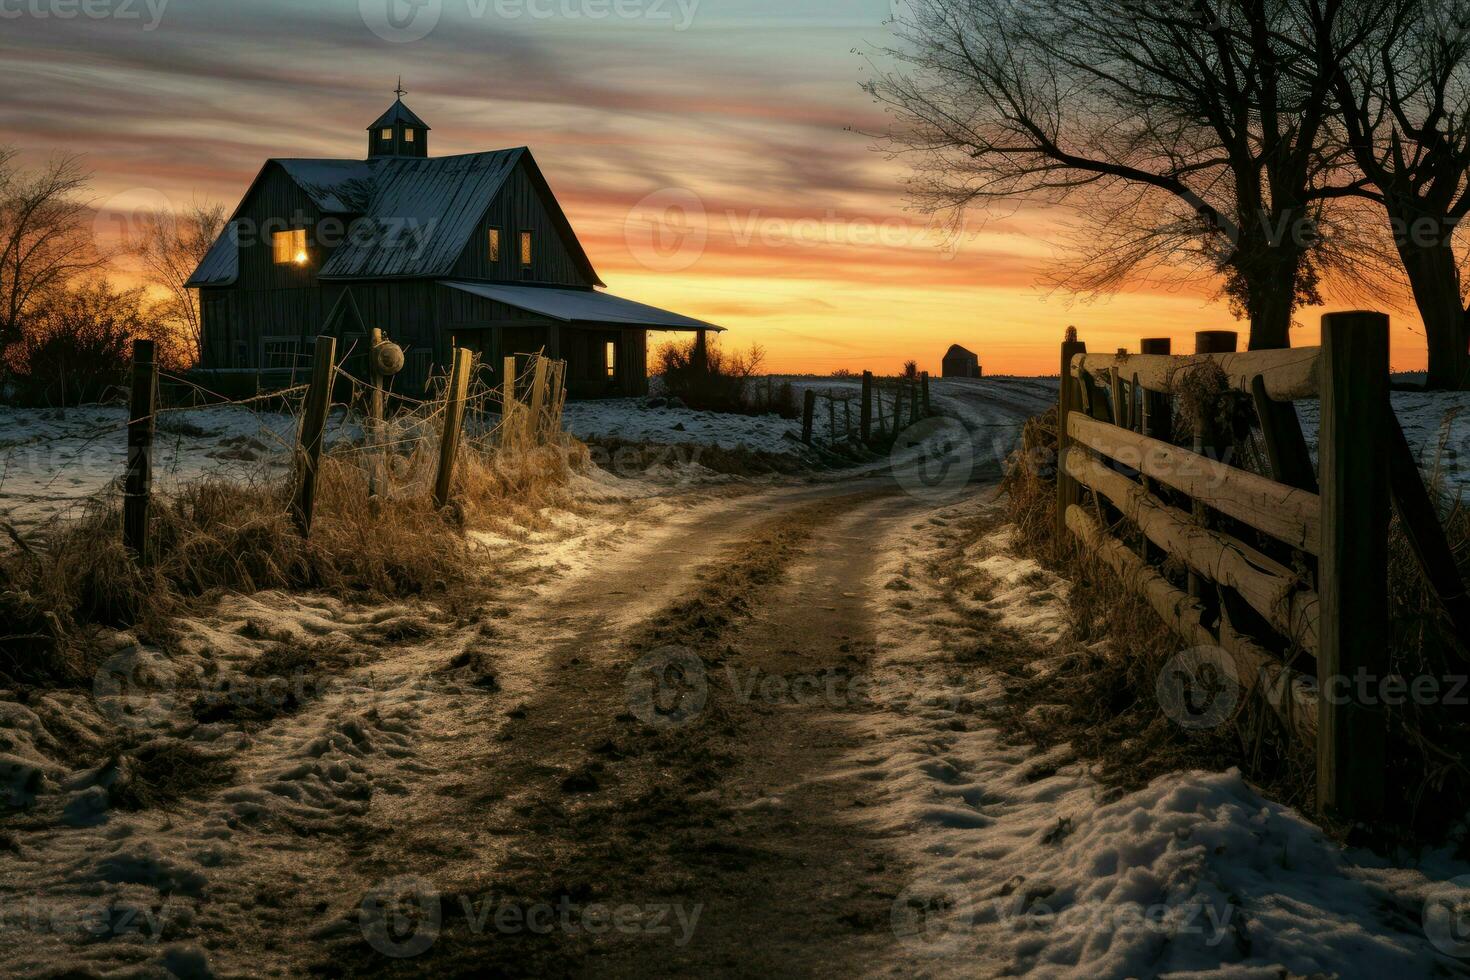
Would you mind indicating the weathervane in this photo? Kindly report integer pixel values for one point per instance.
(400, 91)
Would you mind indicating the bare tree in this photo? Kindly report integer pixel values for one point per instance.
(45, 238)
(171, 247)
(1190, 134)
(1405, 116)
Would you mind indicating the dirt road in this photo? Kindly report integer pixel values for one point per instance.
(623, 758)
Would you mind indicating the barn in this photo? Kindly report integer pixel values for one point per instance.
(470, 250)
(961, 363)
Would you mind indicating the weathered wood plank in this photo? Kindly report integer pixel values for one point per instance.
(1288, 374)
(138, 471)
(1287, 514)
(1286, 446)
(1068, 404)
(456, 393)
(1271, 588)
(1287, 692)
(1353, 569)
(313, 429)
(1427, 536)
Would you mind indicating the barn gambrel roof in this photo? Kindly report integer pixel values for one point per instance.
(422, 213)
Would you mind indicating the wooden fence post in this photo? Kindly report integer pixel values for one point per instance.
(1158, 410)
(375, 414)
(1121, 418)
(313, 432)
(1208, 441)
(1069, 492)
(456, 393)
(913, 384)
(538, 400)
(924, 380)
(1353, 451)
(808, 406)
(138, 476)
(508, 393)
(832, 418)
(1157, 415)
(865, 411)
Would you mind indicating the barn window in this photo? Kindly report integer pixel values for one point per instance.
(280, 353)
(408, 136)
(612, 359)
(387, 135)
(494, 244)
(525, 248)
(290, 247)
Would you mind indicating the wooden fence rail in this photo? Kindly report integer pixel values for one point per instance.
(1283, 569)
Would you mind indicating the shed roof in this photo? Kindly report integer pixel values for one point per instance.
(955, 350)
(582, 306)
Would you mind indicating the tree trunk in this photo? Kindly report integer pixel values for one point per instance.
(1271, 282)
(1271, 319)
(1435, 279)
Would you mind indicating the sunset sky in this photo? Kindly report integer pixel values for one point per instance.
(744, 116)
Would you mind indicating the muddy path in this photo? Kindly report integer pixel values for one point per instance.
(624, 760)
(659, 806)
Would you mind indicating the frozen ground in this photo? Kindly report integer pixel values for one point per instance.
(445, 743)
(1025, 866)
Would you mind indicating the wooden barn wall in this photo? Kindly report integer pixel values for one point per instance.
(519, 207)
(277, 204)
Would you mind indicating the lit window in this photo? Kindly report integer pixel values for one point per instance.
(387, 135)
(525, 248)
(408, 136)
(290, 247)
(494, 244)
(612, 359)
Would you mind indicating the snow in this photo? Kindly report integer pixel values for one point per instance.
(52, 463)
(1027, 866)
(632, 420)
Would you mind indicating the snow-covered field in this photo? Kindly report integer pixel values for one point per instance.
(51, 462)
(1027, 866)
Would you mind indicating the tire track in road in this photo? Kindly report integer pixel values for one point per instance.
(588, 800)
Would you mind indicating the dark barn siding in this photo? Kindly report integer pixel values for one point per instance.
(421, 315)
(519, 207)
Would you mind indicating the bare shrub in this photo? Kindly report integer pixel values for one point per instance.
(726, 382)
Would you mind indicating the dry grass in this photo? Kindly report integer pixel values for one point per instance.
(215, 536)
(1118, 647)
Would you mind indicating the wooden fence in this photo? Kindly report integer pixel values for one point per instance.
(885, 406)
(529, 407)
(1283, 571)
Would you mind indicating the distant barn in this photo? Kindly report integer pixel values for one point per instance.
(961, 363)
(471, 251)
